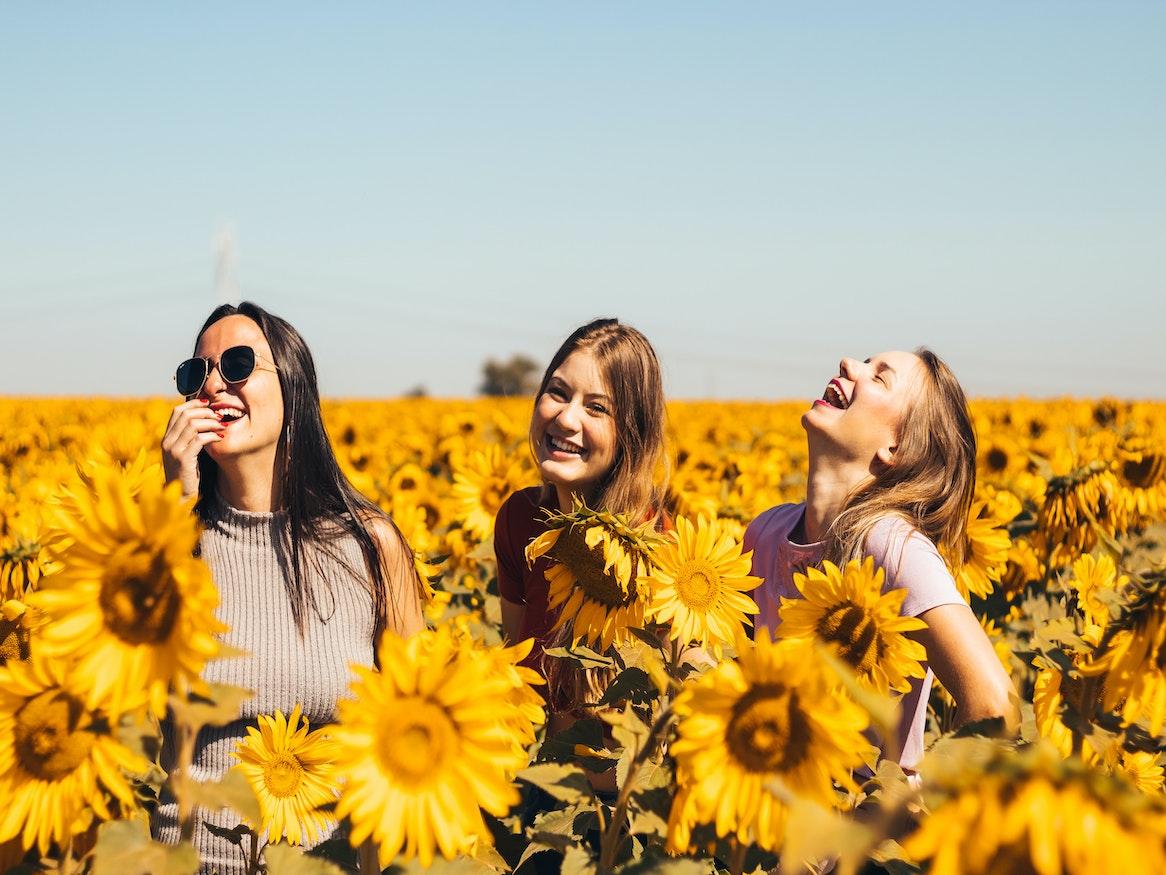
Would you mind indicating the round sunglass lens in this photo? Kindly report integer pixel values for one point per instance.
(190, 376)
(237, 363)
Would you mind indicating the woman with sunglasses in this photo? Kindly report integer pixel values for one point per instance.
(309, 571)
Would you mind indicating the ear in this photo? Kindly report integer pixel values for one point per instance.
(885, 457)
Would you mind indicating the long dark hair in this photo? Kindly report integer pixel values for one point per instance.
(319, 501)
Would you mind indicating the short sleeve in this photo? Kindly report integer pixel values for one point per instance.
(911, 562)
(509, 550)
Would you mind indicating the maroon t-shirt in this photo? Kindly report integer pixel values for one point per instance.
(520, 520)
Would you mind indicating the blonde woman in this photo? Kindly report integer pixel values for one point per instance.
(892, 472)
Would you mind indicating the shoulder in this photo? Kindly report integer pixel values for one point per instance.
(521, 509)
(911, 562)
(388, 538)
(773, 524)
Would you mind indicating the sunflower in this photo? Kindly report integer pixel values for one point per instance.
(1092, 576)
(428, 742)
(292, 774)
(699, 583)
(1081, 500)
(58, 756)
(847, 609)
(1133, 661)
(989, 544)
(774, 716)
(1144, 769)
(1141, 477)
(132, 604)
(482, 484)
(594, 577)
(1035, 812)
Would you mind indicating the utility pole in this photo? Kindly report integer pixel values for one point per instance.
(226, 264)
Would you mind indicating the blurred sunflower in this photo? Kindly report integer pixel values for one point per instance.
(988, 543)
(1036, 812)
(58, 755)
(428, 742)
(1092, 576)
(481, 484)
(132, 605)
(847, 609)
(774, 715)
(1141, 477)
(699, 583)
(594, 576)
(1081, 501)
(292, 773)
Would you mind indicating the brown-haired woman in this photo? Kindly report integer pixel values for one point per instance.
(598, 433)
(892, 472)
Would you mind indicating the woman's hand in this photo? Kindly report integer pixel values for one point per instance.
(192, 426)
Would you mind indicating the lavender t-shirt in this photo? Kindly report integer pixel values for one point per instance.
(910, 562)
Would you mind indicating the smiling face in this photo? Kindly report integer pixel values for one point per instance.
(572, 429)
(251, 410)
(859, 415)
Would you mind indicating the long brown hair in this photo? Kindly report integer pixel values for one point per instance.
(932, 482)
(634, 485)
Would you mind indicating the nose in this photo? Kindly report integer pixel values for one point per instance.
(214, 381)
(847, 368)
(568, 418)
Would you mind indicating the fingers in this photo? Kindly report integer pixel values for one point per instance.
(186, 421)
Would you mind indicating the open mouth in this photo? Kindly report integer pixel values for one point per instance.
(563, 447)
(835, 397)
(229, 415)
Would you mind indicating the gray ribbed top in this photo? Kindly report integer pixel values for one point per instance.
(283, 668)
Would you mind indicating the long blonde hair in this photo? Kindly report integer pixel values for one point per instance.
(634, 485)
(931, 483)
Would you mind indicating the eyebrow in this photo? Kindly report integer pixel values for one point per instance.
(883, 366)
(594, 396)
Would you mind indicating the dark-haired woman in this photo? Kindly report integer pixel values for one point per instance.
(309, 572)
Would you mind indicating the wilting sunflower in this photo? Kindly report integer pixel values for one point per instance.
(58, 756)
(847, 609)
(594, 578)
(1036, 812)
(132, 605)
(1133, 662)
(776, 715)
(427, 743)
(292, 772)
(482, 484)
(1080, 501)
(988, 543)
(699, 583)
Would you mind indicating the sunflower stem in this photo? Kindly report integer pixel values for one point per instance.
(253, 859)
(610, 841)
(180, 781)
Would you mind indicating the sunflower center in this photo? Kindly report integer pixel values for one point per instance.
(698, 584)
(997, 460)
(419, 743)
(495, 490)
(140, 602)
(586, 563)
(1143, 474)
(48, 740)
(768, 731)
(282, 775)
(854, 632)
(14, 640)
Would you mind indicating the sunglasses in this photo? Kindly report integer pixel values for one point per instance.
(235, 365)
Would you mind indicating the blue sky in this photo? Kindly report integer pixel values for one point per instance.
(761, 187)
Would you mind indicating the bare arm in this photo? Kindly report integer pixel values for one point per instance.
(403, 588)
(512, 616)
(963, 659)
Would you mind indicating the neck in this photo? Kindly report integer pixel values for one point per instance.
(250, 484)
(565, 498)
(827, 487)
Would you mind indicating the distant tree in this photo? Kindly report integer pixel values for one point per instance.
(518, 375)
(418, 391)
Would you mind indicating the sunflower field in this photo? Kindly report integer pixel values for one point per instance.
(701, 750)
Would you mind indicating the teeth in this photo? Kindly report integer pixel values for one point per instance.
(564, 446)
(230, 413)
(835, 397)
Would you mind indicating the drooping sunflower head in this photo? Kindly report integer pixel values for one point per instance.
(58, 755)
(1141, 475)
(699, 583)
(1035, 802)
(132, 604)
(847, 610)
(292, 773)
(594, 574)
(775, 715)
(429, 741)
